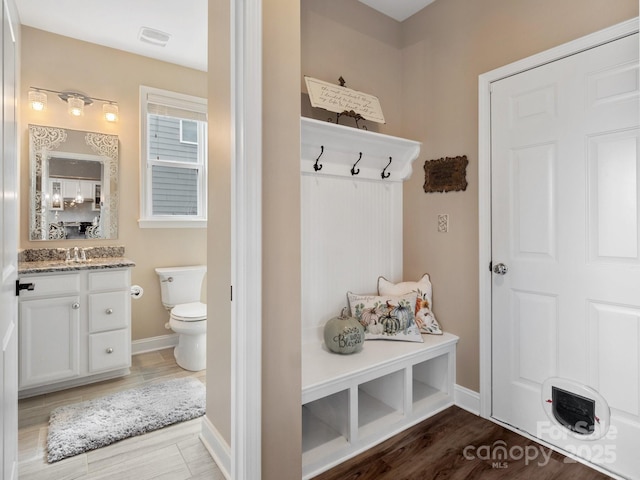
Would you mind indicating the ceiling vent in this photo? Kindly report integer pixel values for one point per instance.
(153, 36)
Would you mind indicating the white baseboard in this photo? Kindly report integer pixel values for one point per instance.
(467, 399)
(152, 344)
(216, 445)
(74, 382)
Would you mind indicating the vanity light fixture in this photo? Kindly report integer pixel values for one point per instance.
(110, 111)
(76, 102)
(75, 106)
(37, 100)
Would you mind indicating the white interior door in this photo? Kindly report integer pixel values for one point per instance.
(8, 257)
(565, 223)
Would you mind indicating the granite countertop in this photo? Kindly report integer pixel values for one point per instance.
(52, 260)
(56, 266)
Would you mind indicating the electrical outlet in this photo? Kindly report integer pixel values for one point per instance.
(443, 222)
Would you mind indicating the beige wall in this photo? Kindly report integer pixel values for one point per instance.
(281, 367)
(219, 233)
(61, 63)
(348, 39)
(445, 48)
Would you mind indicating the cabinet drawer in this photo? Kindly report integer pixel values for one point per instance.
(108, 311)
(109, 280)
(45, 285)
(109, 350)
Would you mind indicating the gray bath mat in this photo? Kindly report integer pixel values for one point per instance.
(85, 426)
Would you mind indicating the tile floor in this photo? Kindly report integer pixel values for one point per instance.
(172, 453)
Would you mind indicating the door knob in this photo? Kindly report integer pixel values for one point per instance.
(500, 269)
(75, 305)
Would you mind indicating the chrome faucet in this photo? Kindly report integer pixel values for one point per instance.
(79, 255)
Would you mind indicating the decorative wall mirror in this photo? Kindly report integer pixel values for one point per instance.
(74, 184)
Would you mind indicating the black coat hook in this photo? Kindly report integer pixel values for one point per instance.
(316, 166)
(384, 174)
(353, 169)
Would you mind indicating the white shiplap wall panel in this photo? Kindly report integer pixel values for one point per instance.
(351, 234)
(351, 224)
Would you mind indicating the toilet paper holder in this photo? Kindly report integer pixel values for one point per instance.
(136, 291)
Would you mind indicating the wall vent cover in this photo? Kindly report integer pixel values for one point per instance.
(153, 36)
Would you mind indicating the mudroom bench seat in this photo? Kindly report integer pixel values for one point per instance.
(353, 402)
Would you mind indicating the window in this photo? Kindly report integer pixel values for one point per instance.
(188, 131)
(174, 157)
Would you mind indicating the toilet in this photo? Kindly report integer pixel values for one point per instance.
(180, 291)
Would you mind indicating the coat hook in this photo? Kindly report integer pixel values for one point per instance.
(353, 169)
(384, 174)
(316, 166)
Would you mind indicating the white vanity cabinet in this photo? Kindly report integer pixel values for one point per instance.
(74, 328)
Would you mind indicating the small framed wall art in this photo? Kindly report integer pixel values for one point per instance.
(448, 174)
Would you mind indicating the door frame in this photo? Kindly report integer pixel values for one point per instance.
(485, 80)
(246, 255)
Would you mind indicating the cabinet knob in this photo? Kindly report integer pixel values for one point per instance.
(109, 311)
(109, 350)
(75, 305)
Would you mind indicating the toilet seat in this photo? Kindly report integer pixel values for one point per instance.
(189, 312)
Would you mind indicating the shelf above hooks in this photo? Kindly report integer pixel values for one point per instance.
(380, 157)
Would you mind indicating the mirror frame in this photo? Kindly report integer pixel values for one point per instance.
(78, 145)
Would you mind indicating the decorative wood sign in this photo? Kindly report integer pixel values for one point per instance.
(447, 174)
(339, 99)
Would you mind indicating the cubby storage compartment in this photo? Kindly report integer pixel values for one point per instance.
(325, 425)
(430, 382)
(380, 403)
(353, 402)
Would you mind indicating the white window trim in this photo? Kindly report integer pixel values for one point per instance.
(186, 102)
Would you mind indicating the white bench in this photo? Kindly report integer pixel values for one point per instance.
(353, 402)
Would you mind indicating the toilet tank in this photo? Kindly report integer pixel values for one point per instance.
(181, 284)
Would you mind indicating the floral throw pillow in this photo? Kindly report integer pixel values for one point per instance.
(387, 317)
(425, 318)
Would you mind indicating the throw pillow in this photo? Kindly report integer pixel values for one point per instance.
(425, 318)
(386, 317)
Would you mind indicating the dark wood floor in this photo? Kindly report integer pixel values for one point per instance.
(446, 447)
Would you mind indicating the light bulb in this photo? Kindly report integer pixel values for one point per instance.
(76, 106)
(38, 100)
(110, 111)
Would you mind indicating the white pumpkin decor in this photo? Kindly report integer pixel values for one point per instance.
(344, 334)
